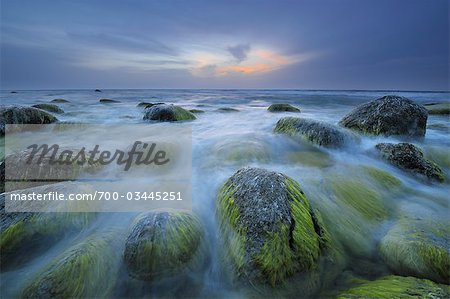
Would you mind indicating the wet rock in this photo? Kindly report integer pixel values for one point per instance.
(88, 269)
(60, 101)
(396, 287)
(49, 108)
(108, 101)
(238, 150)
(269, 230)
(147, 104)
(438, 108)
(97, 90)
(388, 115)
(409, 157)
(23, 115)
(227, 109)
(282, 108)
(419, 248)
(163, 244)
(165, 112)
(13, 91)
(196, 111)
(315, 131)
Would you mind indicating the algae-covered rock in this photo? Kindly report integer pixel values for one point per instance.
(282, 108)
(438, 108)
(383, 178)
(49, 108)
(388, 115)
(409, 157)
(196, 111)
(88, 269)
(23, 115)
(317, 132)
(242, 150)
(310, 158)
(163, 244)
(165, 112)
(269, 230)
(59, 101)
(418, 247)
(105, 101)
(396, 287)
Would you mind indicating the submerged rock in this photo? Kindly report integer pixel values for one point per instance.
(438, 108)
(282, 108)
(147, 104)
(227, 109)
(269, 230)
(59, 101)
(88, 269)
(388, 115)
(396, 287)
(165, 112)
(419, 248)
(317, 132)
(163, 244)
(409, 157)
(23, 115)
(97, 90)
(196, 111)
(108, 101)
(49, 108)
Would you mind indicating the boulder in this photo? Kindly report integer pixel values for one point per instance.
(227, 109)
(408, 157)
(315, 131)
(282, 108)
(60, 101)
(147, 104)
(196, 111)
(49, 108)
(418, 247)
(97, 90)
(105, 101)
(165, 112)
(88, 269)
(269, 231)
(438, 108)
(163, 245)
(396, 287)
(23, 115)
(388, 115)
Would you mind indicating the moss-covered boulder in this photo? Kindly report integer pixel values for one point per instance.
(22, 234)
(396, 287)
(438, 108)
(106, 101)
(49, 108)
(163, 245)
(165, 112)
(315, 131)
(227, 109)
(59, 101)
(23, 115)
(388, 115)
(269, 231)
(418, 247)
(409, 157)
(88, 269)
(282, 108)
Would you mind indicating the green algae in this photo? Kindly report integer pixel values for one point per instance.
(383, 178)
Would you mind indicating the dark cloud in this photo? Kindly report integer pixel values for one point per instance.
(239, 51)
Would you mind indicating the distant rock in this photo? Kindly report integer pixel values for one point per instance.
(315, 131)
(147, 104)
(108, 101)
(166, 112)
(282, 108)
(23, 115)
(388, 115)
(13, 92)
(409, 157)
(59, 101)
(227, 109)
(49, 108)
(438, 108)
(196, 111)
(163, 244)
(97, 90)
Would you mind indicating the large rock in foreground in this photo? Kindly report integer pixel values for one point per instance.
(163, 244)
(23, 115)
(388, 115)
(409, 157)
(397, 287)
(269, 230)
(165, 112)
(419, 248)
(315, 131)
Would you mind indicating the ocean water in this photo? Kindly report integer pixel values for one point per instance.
(215, 134)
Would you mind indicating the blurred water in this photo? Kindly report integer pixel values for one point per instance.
(215, 134)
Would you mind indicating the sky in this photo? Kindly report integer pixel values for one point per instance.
(326, 44)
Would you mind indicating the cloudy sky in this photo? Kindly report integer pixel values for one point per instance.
(327, 44)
